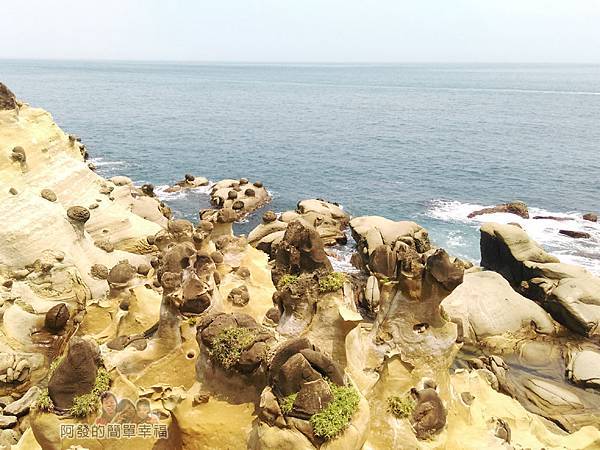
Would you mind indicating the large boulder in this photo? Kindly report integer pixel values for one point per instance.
(583, 368)
(7, 98)
(76, 374)
(485, 305)
(569, 293)
(300, 251)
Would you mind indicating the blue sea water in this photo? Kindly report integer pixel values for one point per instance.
(428, 143)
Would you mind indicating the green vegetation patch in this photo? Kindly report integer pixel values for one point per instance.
(229, 344)
(400, 407)
(44, 402)
(332, 282)
(334, 418)
(288, 403)
(87, 404)
(286, 280)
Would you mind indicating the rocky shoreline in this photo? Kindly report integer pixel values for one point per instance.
(110, 305)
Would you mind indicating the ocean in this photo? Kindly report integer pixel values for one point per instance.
(426, 142)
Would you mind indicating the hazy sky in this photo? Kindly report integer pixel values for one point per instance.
(304, 30)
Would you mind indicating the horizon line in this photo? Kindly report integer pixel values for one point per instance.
(257, 62)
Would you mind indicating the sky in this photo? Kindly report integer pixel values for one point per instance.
(544, 31)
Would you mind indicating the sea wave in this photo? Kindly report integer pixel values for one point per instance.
(340, 255)
(583, 252)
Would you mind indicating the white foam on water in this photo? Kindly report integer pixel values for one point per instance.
(583, 252)
(340, 255)
(100, 162)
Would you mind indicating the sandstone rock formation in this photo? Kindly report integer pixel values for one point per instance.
(569, 293)
(257, 342)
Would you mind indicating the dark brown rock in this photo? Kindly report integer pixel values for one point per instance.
(324, 365)
(429, 415)
(238, 204)
(148, 189)
(300, 251)
(239, 296)
(251, 358)
(293, 374)
(383, 260)
(274, 314)
(518, 208)
(121, 273)
(591, 217)
(76, 374)
(232, 195)
(7, 98)
(312, 398)
(575, 234)
(250, 193)
(446, 272)
(144, 269)
(56, 318)
(559, 219)
(283, 353)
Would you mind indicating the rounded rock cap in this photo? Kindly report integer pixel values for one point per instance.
(78, 214)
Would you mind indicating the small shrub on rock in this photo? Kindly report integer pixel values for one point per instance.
(400, 407)
(44, 402)
(332, 282)
(229, 344)
(336, 416)
(286, 280)
(288, 403)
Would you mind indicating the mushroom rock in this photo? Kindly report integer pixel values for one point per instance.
(75, 374)
(56, 318)
(7, 98)
(120, 275)
(517, 208)
(180, 229)
(78, 216)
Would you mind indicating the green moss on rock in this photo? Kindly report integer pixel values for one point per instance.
(288, 403)
(44, 402)
(400, 407)
(229, 344)
(85, 405)
(332, 282)
(286, 280)
(336, 416)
